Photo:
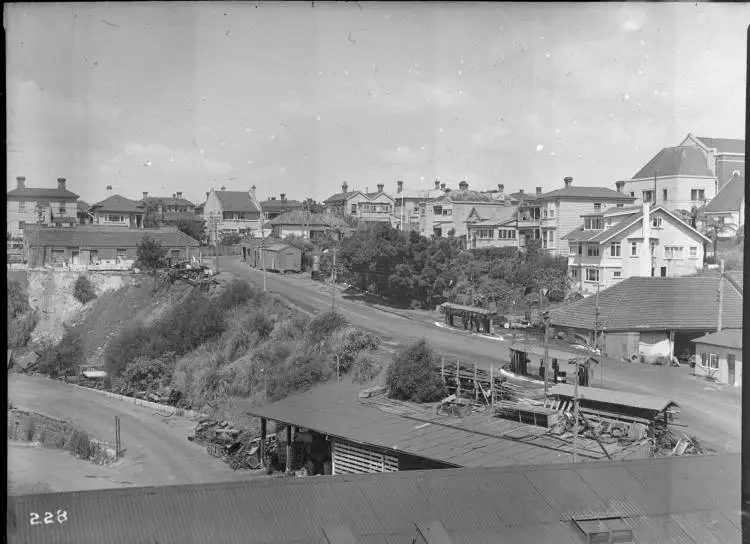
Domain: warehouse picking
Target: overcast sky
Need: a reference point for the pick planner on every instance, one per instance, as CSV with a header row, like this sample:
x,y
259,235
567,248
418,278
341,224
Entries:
x,y
296,99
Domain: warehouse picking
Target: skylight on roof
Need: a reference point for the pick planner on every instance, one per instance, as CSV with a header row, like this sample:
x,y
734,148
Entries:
x,y
604,530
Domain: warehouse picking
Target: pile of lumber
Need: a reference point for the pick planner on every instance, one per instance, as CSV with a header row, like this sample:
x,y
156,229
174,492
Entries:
x,y
527,413
477,381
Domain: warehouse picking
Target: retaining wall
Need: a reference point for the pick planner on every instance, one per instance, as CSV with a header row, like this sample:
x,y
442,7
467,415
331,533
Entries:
x,y
163,409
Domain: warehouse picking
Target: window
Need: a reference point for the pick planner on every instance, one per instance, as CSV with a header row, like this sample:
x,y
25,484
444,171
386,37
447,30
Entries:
x,y
62,207
632,193
551,238
592,223
122,253
552,210
615,249
506,234
438,210
175,253
697,194
620,205
592,274
22,205
664,195
693,252
592,250
485,233
114,218
573,272
580,248
354,208
713,360
656,222
448,212
597,206
617,274
633,249
21,225
673,252
648,196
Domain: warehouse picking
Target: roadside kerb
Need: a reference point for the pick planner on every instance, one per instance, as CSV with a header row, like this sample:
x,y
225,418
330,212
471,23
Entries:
x,y
163,409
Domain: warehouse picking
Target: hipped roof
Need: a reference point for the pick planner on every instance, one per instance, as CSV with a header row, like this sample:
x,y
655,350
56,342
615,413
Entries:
x,y
236,201
94,236
676,161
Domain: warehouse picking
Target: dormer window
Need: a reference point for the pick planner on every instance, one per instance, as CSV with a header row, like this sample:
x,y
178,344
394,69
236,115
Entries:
x,y
592,223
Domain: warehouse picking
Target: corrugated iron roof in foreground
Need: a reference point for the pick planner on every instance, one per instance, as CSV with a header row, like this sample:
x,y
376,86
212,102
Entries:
x,y
694,500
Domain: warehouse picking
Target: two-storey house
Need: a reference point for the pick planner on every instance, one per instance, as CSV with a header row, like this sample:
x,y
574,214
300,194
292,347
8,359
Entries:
x,y
273,208
39,206
406,204
361,206
724,156
728,207
118,211
686,176
529,216
232,212
561,210
307,225
454,212
620,243
167,207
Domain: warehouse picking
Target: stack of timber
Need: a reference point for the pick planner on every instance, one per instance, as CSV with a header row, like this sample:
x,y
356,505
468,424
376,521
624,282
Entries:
x,y
527,413
467,380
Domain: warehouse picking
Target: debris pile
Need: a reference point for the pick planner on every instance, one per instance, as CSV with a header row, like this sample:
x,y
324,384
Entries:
x,y
236,447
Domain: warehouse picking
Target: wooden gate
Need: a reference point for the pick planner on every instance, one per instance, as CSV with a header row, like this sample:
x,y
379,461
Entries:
x,y
353,459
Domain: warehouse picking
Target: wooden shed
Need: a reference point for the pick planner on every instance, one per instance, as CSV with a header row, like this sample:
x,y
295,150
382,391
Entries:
x,y
274,256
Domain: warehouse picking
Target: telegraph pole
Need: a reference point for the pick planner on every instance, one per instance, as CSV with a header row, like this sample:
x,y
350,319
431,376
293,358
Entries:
x,y
596,338
545,317
575,412
721,295
333,282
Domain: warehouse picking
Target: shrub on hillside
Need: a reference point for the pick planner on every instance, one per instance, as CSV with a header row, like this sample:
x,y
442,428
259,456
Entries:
x,y
127,345
291,328
348,342
238,293
323,326
414,375
144,373
63,358
18,300
245,330
83,290
150,254
366,367
298,373
20,329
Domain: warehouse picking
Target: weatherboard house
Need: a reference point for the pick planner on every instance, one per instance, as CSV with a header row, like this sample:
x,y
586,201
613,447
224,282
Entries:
x,y
642,311
236,212
36,205
374,207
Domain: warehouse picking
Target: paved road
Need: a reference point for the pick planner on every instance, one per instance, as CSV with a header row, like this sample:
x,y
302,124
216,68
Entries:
x,y
713,415
157,449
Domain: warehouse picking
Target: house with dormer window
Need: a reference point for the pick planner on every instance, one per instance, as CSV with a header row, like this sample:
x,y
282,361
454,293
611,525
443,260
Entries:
x,y
620,243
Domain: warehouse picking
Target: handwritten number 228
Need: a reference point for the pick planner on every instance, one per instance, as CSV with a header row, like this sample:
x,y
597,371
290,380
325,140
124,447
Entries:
x,y
49,517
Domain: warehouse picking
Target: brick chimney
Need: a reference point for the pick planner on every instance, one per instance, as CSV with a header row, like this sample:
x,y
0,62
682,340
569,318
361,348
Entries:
x,y
21,182
145,195
380,187
568,181
344,187
273,198
501,188
520,191
223,188
619,185
463,185
60,184
442,186
283,197
207,193
399,186
538,190
179,195
437,184
252,193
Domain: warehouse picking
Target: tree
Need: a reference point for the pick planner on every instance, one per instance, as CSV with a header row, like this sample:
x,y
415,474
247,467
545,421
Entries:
x,y
83,290
61,359
230,239
713,229
193,228
144,372
150,254
312,206
414,375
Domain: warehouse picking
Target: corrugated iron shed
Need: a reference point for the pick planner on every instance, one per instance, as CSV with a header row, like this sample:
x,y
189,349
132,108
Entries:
x,y
517,505
610,396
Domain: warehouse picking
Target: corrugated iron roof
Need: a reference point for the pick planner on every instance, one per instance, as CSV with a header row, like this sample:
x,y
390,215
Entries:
x,y
676,161
33,193
527,505
610,396
728,338
236,201
643,303
723,145
729,198
118,203
581,192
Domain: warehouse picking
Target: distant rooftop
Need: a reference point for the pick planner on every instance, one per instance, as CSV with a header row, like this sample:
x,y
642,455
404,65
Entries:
x,y
676,161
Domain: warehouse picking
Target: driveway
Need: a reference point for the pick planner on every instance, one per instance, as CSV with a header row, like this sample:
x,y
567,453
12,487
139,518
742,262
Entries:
x,y
157,451
713,414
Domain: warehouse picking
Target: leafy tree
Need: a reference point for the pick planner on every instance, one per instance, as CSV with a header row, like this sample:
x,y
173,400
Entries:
x,y
83,290
150,254
62,359
312,206
366,367
144,372
230,239
414,375
192,228
348,343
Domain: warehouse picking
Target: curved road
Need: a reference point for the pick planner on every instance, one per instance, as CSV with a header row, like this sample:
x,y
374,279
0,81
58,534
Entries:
x,y
712,415
157,451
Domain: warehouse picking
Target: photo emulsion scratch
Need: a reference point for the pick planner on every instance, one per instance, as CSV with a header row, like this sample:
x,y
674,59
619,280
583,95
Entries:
x,y
375,272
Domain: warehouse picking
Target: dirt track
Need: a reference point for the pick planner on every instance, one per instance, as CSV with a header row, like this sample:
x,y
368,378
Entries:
x,y
157,451
713,414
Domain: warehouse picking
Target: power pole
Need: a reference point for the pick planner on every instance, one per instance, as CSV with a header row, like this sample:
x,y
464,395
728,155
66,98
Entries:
x,y
263,256
575,412
721,295
596,337
333,282
545,317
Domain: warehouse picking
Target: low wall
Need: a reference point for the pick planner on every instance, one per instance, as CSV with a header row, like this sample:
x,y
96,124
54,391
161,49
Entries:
x,y
30,426
163,409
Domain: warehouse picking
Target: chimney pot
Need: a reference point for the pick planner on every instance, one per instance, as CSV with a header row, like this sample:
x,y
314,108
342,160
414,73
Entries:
x,y
61,184
620,185
223,188
539,190
442,186
208,193
145,195
520,191
179,194
21,181
344,187
252,192
501,187
380,187
568,181
463,185
283,196
437,184
399,186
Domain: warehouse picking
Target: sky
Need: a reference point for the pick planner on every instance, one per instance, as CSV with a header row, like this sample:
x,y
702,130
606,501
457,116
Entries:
x,y
298,98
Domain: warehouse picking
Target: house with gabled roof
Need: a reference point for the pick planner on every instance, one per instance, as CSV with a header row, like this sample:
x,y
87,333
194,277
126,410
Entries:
x,y
362,206
408,202
232,212
611,246
307,225
652,310
274,207
728,206
118,211
561,211
39,206
168,206
724,156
